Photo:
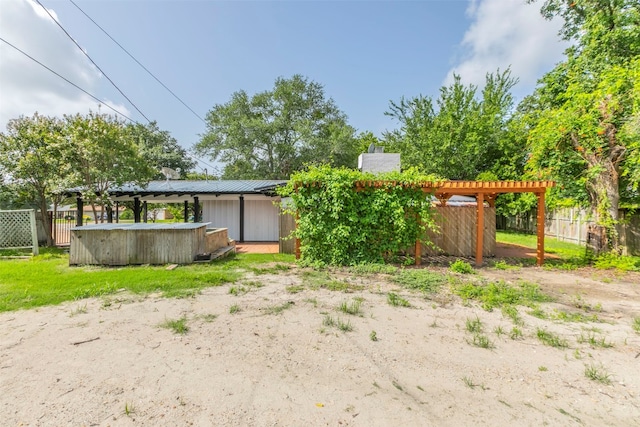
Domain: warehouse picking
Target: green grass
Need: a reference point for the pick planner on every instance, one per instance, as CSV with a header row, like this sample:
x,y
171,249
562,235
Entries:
x,y
234,309
482,341
315,280
462,267
373,269
594,341
635,324
278,309
474,325
420,279
570,255
499,294
178,326
397,301
551,339
353,308
597,373
47,279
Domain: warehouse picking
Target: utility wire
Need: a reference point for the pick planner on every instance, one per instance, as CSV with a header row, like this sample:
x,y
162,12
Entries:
x,y
67,80
92,61
138,62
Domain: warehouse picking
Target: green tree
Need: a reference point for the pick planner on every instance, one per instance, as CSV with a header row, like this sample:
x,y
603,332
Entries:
x,y
276,132
160,149
459,136
583,112
34,161
104,155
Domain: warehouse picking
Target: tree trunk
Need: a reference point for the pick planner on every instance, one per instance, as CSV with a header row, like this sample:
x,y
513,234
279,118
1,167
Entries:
x,y
45,219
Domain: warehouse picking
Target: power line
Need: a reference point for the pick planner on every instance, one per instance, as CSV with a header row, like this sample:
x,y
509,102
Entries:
x,y
138,62
67,80
92,61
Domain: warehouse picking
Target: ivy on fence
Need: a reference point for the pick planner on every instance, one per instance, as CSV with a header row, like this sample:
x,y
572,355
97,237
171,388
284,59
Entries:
x,y
346,217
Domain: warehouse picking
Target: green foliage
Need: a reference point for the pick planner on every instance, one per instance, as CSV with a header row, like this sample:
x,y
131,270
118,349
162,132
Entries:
x,y
340,224
498,294
421,280
613,260
462,267
397,301
584,117
373,269
47,279
597,373
178,326
551,339
274,133
461,134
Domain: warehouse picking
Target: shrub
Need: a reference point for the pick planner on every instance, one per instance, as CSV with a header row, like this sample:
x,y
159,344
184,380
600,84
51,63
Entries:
x,y
340,223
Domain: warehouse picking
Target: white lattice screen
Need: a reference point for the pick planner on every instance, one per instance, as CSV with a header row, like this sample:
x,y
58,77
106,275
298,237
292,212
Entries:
x,y
18,230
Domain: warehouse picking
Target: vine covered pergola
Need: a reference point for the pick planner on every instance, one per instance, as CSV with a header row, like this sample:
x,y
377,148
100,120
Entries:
x,y
483,191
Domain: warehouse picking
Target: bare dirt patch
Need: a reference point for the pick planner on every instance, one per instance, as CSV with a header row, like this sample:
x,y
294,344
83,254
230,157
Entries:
x,y
276,359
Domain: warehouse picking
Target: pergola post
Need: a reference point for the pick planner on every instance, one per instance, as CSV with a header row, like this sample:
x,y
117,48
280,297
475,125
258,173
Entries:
x,y
186,211
79,211
540,230
297,241
196,209
144,211
479,228
136,210
241,218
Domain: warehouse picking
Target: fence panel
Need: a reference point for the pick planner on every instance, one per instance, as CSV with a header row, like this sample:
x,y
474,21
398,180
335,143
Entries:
x,y
18,230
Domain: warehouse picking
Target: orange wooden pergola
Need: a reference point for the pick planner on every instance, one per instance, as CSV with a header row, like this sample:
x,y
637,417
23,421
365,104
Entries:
x,y
483,191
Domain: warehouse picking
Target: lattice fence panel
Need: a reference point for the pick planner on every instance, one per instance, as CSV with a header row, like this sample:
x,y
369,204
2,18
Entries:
x,y
18,230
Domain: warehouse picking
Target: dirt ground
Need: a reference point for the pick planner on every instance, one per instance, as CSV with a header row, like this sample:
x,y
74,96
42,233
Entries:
x,y
275,362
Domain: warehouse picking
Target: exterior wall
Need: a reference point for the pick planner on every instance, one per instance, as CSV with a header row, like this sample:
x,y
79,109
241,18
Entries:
x,y
223,213
261,221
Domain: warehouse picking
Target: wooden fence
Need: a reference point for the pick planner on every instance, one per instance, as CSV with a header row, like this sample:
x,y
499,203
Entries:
x,y
456,233
572,225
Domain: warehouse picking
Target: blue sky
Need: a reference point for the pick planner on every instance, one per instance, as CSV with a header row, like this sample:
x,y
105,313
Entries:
x,y
364,53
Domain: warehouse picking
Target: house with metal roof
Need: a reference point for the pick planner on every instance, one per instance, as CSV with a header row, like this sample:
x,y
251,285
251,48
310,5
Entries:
x,y
245,207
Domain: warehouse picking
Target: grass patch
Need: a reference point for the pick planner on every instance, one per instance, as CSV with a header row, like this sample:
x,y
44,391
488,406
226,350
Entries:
x,y
47,279
373,269
597,373
337,323
177,326
516,333
234,309
482,341
294,289
635,324
373,336
594,341
474,325
396,300
462,267
512,313
353,308
498,294
420,280
278,309
551,339
615,261
321,279
208,317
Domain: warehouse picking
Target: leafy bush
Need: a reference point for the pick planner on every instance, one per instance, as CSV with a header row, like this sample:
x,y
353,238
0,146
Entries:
x,y
462,267
347,217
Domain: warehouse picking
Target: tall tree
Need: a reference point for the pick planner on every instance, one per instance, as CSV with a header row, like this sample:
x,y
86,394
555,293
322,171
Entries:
x,y
104,155
582,112
276,132
34,159
460,135
160,149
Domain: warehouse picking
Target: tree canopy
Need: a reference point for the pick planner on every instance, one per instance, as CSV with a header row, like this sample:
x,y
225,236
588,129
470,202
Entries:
x,y
583,116
460,135
273,133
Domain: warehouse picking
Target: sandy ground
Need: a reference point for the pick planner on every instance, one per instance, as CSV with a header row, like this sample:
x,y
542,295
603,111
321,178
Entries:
x,y
107,362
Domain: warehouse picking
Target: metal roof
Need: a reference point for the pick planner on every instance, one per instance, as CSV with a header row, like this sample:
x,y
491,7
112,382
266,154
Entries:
x,y
195,188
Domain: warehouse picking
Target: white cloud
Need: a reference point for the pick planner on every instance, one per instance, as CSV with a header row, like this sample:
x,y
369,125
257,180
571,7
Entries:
x,y
508,33
27,87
